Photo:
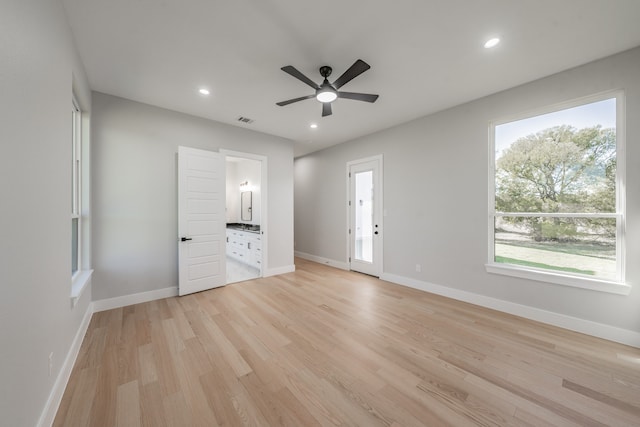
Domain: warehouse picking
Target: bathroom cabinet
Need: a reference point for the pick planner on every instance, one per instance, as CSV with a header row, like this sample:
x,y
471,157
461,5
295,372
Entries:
x,y
245,246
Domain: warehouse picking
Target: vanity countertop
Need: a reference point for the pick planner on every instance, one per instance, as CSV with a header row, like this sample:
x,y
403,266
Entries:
x,y
251,228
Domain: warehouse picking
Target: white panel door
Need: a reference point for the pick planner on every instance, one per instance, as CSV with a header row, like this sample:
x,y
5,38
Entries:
x,y
365,219
201,220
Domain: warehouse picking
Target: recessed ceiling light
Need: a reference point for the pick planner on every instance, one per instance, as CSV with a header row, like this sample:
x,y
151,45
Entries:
x,y
204,91
492,43
313,126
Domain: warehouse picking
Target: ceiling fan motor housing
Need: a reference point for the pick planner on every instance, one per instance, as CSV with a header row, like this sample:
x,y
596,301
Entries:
x,y
325,71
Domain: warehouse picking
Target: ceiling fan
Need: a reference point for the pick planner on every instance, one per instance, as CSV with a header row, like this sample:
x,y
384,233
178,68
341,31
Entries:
x,y
328,92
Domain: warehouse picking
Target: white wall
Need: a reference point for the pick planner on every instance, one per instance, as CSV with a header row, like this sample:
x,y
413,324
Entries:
x,y
233,194
38,68
243,170
135,192
249,171
436,196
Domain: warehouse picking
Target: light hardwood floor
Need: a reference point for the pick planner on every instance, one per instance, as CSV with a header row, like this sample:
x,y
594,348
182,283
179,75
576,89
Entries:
x,y
328,347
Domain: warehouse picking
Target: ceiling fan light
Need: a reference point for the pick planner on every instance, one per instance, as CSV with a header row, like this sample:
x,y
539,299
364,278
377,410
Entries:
x,y
326,95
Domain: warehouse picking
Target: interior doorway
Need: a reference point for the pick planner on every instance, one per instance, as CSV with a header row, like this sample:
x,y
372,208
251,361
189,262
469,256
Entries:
x,y
364,180
245,216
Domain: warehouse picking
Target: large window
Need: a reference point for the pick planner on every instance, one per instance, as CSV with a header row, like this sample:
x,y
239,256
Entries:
x,y
76,193
556,205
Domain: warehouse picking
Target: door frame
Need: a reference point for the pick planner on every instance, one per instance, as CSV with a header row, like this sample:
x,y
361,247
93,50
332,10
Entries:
x,y
264,211
379,210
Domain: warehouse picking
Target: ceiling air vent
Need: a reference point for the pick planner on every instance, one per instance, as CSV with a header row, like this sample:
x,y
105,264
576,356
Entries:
x,y
246,120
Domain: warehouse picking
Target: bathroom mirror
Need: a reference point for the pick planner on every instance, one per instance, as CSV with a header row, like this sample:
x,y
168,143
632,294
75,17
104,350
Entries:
x,y
245,206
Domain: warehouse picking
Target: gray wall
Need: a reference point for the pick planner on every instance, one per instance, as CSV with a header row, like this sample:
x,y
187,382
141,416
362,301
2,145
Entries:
x,y
436,195
135,246
38,69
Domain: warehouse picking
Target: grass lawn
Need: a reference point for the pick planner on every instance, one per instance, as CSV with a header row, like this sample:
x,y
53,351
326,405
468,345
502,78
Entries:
x,y
596,250
506,260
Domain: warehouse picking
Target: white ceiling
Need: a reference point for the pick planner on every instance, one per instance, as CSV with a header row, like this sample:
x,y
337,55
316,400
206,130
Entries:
x,y
425,55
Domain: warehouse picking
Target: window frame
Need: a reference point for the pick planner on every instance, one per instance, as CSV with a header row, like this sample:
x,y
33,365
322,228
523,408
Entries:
x,y
80,186
617,286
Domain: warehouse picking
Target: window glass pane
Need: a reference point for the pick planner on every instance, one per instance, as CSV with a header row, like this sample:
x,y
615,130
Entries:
x,y
74,245
364,216
563,161
571,245
73,161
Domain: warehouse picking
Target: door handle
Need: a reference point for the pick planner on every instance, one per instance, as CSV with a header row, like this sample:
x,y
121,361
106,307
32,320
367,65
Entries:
x,y
375,232
184,239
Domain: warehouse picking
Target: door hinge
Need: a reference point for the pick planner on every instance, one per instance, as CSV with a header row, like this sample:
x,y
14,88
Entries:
x,y
349,231
349,259
349,174
349,202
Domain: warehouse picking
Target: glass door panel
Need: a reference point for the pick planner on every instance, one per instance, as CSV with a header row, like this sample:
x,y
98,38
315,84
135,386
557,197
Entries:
x,y
364,216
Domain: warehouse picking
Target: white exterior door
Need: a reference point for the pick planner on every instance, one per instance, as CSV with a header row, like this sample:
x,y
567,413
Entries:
x,y
201,220
365,216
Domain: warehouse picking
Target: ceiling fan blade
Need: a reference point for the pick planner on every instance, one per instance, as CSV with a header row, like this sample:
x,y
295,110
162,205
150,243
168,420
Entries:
x,y
290,69
291,101
366,97
354,71
326,109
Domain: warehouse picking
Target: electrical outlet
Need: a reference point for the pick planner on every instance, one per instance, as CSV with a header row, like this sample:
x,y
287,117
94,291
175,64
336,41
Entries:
x,y
418,268
50,363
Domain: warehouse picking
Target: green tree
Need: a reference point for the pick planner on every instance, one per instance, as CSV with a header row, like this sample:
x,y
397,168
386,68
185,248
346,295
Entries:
x,y
559,169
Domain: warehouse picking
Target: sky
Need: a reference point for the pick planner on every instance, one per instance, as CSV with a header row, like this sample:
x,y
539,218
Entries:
x,y
587,115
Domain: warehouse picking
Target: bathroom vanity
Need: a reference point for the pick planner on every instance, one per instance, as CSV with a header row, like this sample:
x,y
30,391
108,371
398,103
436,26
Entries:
x,y
244,244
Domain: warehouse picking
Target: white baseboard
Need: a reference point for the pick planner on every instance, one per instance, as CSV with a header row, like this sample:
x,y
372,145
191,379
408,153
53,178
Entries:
x,y
55,397
600,330
125,300
279,270
321,260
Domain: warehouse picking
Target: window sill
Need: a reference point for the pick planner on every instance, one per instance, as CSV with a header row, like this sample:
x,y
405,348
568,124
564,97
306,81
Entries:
x,y
79,283
600,285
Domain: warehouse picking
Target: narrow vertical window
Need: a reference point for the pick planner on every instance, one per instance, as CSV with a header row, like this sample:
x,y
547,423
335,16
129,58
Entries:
x,y
75,188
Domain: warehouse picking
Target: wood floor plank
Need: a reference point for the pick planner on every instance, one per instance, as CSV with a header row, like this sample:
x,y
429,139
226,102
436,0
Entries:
x,y
92,346
191,388
303,387
79,406
277,412
230,353
103,408
327,347
152,410
177,411
219,394
128,405
148,371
